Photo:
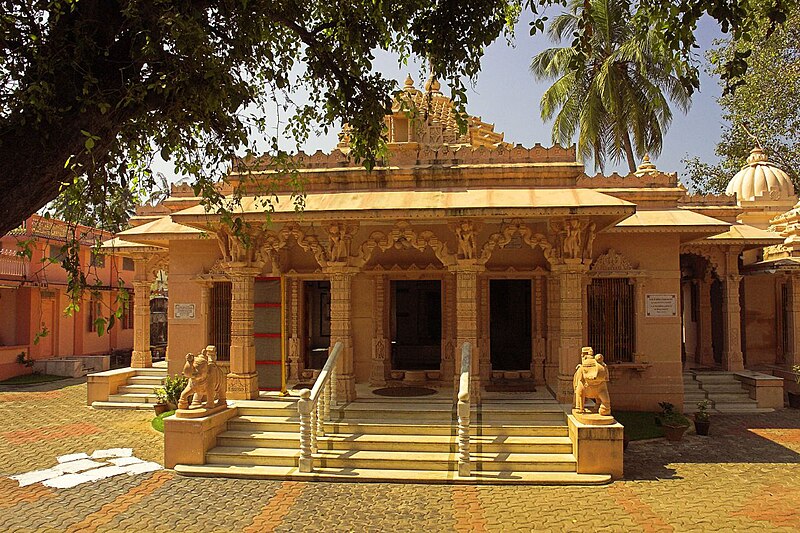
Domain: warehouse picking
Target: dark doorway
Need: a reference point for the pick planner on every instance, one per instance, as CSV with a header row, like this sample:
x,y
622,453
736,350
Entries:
x,y
416,324
510,323
318,323
717,321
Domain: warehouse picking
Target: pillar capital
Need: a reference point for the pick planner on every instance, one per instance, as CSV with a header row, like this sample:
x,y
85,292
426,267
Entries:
x,y
241,269
467,265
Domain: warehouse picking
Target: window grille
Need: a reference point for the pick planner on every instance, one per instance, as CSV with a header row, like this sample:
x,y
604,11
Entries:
x,y
220,330
95,312
611,318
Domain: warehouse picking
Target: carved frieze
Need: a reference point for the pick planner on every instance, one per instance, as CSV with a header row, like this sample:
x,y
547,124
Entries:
x,y
509,233
612,261
403,236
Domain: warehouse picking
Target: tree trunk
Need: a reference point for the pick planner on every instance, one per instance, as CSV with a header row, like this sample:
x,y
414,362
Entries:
x,y
629,151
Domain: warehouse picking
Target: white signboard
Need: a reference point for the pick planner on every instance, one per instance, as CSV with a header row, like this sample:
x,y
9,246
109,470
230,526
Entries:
x,y
184,311
662,305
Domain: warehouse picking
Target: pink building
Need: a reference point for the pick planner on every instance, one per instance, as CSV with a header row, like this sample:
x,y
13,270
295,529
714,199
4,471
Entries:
x,y
33,297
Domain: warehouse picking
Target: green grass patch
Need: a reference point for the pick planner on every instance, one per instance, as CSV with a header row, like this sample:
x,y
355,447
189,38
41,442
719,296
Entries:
x,y
31,379
158,422
639,425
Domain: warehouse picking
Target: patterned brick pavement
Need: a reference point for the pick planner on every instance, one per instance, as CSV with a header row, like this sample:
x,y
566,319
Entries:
x,y
746,476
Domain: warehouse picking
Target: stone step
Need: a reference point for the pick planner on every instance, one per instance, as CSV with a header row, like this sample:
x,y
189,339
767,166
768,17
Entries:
x,y
133,397
733,407
498,462
123,405
292,424
715,377
138,389
741,397
442,443
723,387
360,475
146,380
157,372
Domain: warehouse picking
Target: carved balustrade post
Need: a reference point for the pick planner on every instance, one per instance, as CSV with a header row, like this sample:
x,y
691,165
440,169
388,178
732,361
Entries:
x,y
464,467
304,407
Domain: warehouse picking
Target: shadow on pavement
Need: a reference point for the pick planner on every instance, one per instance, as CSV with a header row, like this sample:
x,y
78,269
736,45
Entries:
x,y
771,438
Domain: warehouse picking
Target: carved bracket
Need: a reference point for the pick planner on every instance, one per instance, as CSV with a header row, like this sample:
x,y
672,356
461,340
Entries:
x,y
506,234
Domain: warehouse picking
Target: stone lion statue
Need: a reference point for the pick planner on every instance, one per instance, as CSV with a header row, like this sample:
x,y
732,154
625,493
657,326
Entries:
x,y
591,381
206,380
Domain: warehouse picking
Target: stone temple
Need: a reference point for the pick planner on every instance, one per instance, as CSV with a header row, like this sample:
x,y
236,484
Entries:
x,y
461,244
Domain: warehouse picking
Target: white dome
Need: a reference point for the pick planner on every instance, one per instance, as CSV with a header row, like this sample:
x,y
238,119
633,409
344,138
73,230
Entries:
x,y
760,179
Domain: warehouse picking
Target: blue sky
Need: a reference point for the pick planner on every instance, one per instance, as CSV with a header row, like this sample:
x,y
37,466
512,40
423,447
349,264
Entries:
x,y
507,95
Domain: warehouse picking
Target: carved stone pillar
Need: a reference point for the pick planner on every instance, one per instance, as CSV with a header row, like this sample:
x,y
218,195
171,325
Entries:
x,y
448,329
243,379
732,355
551,357
571,316
341,277
467,328
380,344
537,360
704,342
792,355
484,335
141,356
295,345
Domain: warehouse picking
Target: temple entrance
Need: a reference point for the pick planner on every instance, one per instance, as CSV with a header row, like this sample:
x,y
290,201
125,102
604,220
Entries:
x,y
416,324
510,324
318,323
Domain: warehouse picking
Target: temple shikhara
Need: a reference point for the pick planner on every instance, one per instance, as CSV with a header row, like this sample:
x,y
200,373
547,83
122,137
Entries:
x,y
476,271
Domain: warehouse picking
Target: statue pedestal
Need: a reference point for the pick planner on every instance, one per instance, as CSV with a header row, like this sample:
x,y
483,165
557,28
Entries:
x,y
199,412
593,419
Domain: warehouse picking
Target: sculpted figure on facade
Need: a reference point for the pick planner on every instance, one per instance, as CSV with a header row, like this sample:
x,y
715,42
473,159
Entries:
x,y
466,240
590,235
206,380
339,246
591,381
573,239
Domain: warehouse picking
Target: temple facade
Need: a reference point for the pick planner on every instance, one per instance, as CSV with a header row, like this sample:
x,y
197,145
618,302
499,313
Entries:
x,y
461,237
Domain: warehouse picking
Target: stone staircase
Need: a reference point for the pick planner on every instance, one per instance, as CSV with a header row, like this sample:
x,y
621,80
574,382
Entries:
x,y
401,440
140,391
724,393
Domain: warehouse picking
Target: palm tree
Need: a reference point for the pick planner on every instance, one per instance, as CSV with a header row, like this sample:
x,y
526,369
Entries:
x,y
615,95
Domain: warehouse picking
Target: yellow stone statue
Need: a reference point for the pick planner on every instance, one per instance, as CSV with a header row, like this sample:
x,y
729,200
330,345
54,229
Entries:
x,y
206,380
591,381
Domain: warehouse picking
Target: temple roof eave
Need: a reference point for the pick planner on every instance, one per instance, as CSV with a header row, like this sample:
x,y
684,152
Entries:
x,y
430,204
122,247
158,233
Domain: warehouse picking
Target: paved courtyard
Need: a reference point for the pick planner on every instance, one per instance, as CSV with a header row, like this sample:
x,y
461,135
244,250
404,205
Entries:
x,y
746,476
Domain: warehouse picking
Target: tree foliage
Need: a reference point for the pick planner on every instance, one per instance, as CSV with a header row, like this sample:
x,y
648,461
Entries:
x,y
614,97
764,110
94,89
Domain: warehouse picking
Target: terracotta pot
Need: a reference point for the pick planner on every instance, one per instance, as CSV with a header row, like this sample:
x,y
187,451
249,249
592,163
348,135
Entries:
x,y
701,427
794,400
674,433
160,408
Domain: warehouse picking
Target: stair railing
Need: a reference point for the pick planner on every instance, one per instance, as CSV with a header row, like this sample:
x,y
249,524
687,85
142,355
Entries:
x,y
463,410
314,407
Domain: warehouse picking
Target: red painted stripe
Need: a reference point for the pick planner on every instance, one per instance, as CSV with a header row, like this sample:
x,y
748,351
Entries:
x,y
269,362
266,278
267,335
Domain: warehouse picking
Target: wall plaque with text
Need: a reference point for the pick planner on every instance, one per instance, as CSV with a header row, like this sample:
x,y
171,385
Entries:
x,y
662,305
184,311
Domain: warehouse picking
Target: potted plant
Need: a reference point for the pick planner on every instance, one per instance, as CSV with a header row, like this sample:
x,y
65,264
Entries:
x,y
169,394
794,397
702,418
673,422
